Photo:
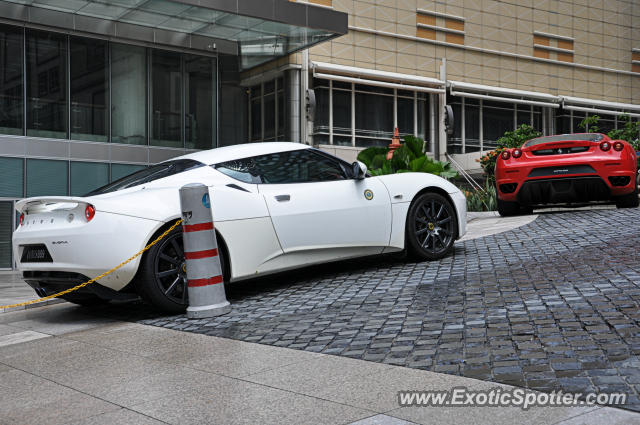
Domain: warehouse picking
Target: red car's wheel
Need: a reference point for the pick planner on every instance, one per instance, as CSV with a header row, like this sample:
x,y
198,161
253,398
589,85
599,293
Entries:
x,y
506,209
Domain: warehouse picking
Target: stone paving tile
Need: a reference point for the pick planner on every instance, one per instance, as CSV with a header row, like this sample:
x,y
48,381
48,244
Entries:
x,y
551,305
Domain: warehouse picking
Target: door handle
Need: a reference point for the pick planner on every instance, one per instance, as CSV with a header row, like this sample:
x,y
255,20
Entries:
x,y
283,198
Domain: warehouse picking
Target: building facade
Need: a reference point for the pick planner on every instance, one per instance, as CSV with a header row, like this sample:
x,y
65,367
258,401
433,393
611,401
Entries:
x,y
92,90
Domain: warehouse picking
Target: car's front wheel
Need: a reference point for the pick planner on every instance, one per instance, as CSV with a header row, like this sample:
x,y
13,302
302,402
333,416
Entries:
x,y
431,227
162,277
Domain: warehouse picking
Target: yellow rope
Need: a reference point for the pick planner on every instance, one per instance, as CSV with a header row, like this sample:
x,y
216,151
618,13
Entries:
x,y
82,285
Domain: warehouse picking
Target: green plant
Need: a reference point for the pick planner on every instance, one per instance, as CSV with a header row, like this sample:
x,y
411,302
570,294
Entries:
x,y
630,132
409,157
478,200
510,139
515,139
589,124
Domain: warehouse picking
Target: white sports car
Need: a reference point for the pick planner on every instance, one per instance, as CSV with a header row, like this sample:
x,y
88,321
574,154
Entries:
x,y
276,206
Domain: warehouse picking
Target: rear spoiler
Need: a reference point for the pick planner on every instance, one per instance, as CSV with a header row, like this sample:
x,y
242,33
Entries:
x,y
41,202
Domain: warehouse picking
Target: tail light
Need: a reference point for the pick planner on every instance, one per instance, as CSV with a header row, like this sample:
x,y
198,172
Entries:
x,y
505,155
605,146
618,146
21,219
517,153
89,212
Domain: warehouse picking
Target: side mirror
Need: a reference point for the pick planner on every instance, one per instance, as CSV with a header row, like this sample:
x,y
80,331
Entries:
x,y
358,170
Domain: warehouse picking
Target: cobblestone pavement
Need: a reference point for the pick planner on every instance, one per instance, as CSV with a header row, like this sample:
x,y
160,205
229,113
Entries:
x,y
550,305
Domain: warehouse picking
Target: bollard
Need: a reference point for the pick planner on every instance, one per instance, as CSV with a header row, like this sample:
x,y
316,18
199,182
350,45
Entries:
x,y
204,271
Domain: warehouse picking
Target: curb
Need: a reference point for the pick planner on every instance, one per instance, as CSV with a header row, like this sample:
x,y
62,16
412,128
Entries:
x,y
30,306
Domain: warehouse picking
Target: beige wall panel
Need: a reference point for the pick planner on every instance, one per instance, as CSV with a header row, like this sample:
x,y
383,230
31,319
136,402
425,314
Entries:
x,y
342,51
472,16
362,39
385,26
474,71
508,23
384,42
474,58
384,13
406,17
407,46
490,75
365,55
364,22
388,68
407,5
344,5
455,54
323,49
407,61
565,86
339,61
386,58
508,76
364,9
409,30
453,9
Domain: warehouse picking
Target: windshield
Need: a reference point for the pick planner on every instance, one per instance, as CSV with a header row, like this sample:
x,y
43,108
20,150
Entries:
x,y
587,137
147,175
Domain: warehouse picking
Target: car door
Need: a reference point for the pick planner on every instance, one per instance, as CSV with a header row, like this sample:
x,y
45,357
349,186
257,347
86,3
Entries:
x,y
317,208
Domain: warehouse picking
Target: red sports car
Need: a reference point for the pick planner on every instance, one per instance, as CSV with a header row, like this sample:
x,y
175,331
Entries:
x,y
566,169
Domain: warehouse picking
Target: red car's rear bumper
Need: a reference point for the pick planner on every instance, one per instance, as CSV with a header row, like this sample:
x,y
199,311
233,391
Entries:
x,y
582,177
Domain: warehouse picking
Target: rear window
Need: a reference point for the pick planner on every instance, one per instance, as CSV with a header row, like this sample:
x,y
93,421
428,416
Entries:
x,y
587,137
155,172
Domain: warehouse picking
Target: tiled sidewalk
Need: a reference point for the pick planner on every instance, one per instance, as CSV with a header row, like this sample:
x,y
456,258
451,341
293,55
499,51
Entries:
x,y
60,365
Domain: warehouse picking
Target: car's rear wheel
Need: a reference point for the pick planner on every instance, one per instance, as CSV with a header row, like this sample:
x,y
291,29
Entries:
x,y
431,227
162,279
628,201
506,209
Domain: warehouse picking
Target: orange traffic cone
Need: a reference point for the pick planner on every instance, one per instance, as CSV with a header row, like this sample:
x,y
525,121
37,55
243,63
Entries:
x,y
395,143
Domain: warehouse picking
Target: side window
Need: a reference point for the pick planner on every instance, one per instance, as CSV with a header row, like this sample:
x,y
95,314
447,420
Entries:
x,y
244,170
301,166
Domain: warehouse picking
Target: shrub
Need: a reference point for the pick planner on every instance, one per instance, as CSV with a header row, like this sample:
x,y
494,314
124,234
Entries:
x,y
409,157
510,139
478,200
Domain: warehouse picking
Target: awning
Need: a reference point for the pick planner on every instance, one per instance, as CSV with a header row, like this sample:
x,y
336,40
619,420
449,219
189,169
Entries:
x,y
256,30
372,77
599,106
501,94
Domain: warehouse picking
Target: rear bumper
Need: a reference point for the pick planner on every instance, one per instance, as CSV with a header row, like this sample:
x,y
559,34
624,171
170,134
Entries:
x,y
563,190
49,283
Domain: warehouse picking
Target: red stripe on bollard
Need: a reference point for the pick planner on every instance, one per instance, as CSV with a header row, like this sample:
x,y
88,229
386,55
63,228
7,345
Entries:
x,y
205,282
201,254
197,227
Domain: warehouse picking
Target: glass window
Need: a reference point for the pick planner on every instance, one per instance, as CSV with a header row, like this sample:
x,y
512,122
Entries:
x,y
10,79
269,115
606,123
405,116
298,166
166,99
47,178
119,171
46,84
128,94
6,229
497,119
11,170
321,119
563,123
201,98
244,170
471,125
341,111
281,118
89,89
155,172
374,116
537,118
256,113
88,176
577,119
523,114
423,120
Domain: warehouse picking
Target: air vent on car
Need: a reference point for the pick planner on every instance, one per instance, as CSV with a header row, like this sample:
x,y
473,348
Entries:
x,y
508,187
619,180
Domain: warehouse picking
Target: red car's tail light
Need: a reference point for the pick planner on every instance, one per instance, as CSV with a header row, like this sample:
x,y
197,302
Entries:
x,y
618,146
21,219
517,153
605,146
505,155
89,212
